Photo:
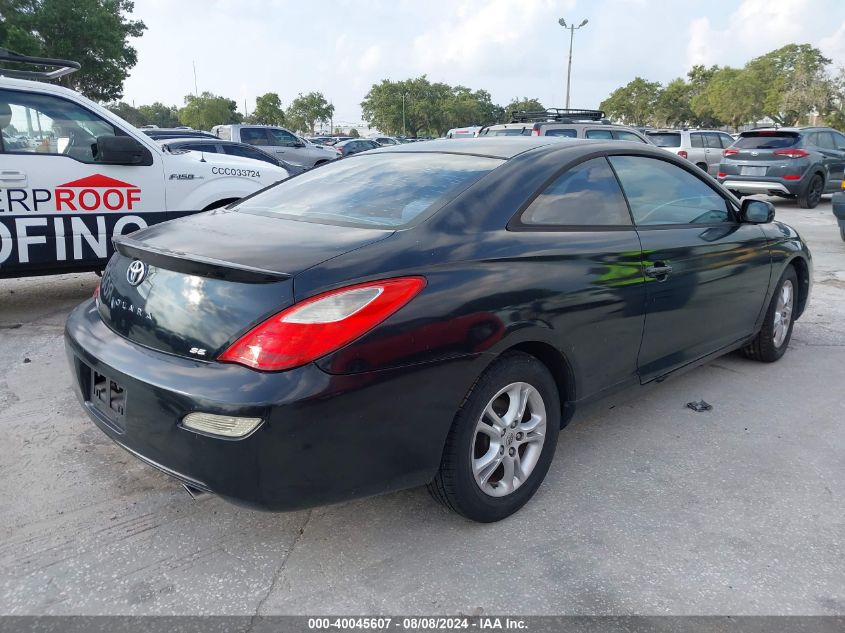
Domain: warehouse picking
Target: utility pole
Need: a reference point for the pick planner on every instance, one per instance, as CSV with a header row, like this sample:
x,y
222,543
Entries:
x,y
404,94
196,92
571,30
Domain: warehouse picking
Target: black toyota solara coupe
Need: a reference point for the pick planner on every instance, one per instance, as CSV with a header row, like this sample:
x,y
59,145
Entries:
x,y
430,313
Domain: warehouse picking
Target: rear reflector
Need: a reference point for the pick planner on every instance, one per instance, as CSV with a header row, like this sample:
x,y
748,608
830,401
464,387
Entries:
x,y
792,153
721,174
321,325
792,177
730,152
683,154
223,425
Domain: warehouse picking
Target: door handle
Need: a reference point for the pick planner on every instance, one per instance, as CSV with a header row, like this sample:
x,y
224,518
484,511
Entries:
x,y
660,271
12,175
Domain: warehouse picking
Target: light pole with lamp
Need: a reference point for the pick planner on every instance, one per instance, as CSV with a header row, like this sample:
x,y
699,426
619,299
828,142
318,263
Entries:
x,y
572,28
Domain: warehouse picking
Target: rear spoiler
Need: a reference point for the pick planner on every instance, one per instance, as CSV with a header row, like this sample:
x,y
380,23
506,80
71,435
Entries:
x,y
195,264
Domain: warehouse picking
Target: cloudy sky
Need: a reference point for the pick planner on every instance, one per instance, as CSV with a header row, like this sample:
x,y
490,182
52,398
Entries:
x,y
512,48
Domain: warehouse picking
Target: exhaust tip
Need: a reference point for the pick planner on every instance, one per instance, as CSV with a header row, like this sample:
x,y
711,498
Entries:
x,y
195,493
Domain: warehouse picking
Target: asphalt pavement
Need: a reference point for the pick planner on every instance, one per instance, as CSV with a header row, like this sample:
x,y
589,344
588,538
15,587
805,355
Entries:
x,y
649,507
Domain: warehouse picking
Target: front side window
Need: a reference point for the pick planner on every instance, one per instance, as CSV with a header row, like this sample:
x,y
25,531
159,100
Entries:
x,y
386,190
283,138
586,195
712,140
662,193
34,123
247,152
839,139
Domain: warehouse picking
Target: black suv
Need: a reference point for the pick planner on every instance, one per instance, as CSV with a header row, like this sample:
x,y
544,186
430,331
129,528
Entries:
x,y
799,162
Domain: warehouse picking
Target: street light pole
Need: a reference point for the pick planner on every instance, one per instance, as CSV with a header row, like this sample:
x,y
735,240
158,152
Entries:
x,y
404,94
571,30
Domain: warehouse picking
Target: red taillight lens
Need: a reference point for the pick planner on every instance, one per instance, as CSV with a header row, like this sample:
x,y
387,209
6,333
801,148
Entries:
x,y
721,174
683,153
791,153
96,290
792,177
322,324
535,131
730,152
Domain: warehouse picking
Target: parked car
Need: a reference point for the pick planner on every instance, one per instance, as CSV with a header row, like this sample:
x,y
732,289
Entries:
x,y
386,140
354,146
424,314
319,140
458,132
796,162
277,141
88,176
565,123
219,146
701,147
160,133
839,210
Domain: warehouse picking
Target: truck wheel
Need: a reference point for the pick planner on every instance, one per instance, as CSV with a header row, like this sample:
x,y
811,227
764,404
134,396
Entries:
x,y
773,338
810,197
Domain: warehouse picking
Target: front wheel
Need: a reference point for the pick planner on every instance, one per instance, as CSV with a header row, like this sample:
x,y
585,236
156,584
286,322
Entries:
x,y
502,441
773,338
812,194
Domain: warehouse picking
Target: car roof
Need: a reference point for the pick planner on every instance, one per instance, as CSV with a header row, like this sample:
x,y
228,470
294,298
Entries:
x,y
496,147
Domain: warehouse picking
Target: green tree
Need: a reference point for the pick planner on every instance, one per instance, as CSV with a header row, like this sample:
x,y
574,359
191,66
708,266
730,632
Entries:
x,y
306,110
95,33
160,115
268,110
734,96
129,114
633,103
699,78
673,107
518,105
207,110
354,133
834,115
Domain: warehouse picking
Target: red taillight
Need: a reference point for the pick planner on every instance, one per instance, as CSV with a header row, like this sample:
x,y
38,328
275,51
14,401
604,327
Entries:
x,y
792,177
322,324
791,153
683,153
535,131
96,290
730,152
721,174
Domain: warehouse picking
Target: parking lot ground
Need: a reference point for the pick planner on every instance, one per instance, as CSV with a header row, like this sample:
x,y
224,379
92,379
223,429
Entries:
x,y
649,507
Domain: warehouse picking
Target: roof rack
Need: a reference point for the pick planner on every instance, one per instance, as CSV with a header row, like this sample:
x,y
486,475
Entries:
x,y
556,114
61,67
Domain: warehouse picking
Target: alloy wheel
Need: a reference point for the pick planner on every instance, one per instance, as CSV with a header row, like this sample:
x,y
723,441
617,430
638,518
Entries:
x,y
783,313
508,439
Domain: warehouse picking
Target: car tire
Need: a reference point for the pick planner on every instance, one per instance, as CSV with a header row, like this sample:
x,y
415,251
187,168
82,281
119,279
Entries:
x,y
811,195
484,454
842,233
701,166
773,338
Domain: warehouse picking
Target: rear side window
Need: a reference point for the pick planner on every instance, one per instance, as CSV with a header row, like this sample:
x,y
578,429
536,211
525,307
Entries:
x,y
662,193
224,133
665,139
825,140
766,140
586,195
385,190
567,132
839,139
622,135
601,134
696,139
254,136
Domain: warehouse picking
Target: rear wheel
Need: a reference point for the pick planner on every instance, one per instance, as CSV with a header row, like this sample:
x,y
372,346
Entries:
x,y
702,166
773,338
810,197
842,233
501,442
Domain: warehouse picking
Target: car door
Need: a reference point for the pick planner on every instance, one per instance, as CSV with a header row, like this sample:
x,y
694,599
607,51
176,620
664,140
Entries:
x,y
834,159
839,143
697,150
712,152
59,207
587,260
288,147
707,274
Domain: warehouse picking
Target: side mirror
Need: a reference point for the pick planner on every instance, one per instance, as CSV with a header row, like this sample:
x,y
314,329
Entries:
x,y
754,211
122,150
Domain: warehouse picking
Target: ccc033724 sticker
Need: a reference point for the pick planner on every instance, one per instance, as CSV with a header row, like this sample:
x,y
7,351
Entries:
x,y
231,171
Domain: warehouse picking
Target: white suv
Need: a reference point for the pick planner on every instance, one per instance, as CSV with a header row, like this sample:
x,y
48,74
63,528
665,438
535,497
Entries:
x,y
84,175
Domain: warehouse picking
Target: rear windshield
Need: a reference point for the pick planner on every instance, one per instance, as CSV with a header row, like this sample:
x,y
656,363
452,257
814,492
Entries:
x,y
766,140
665,139
507,131
386,190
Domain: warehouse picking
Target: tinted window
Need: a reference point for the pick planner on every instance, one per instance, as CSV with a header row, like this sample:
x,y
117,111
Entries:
x,y
665,139
766,140
662,193
599,134
283,138
696,139
839,139
254,136
567,132
43,124
587,194
825,140
201,147
712,140
727,140
247,152
622,135
386,190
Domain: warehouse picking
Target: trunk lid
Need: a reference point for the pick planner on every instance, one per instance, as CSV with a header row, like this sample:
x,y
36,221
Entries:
x,y
192,286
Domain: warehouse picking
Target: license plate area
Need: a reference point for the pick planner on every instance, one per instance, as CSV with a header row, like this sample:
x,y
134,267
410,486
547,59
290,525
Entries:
x,y
752,171
108,397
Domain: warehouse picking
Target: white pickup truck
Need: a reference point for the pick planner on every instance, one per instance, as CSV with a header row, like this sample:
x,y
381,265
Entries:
x,y
72,175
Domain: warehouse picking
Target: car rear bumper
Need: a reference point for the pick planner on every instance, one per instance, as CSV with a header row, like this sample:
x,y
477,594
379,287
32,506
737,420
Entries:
x,y
761,186
324,438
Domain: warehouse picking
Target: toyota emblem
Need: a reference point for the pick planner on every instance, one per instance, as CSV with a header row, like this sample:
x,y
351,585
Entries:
x,y
136,272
